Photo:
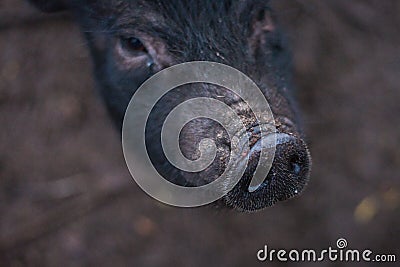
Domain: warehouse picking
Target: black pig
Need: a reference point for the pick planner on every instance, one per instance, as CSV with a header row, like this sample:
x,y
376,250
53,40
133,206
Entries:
x,y
132,40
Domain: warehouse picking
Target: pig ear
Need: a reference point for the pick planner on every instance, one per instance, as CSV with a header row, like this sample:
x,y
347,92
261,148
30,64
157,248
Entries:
x,y
49,5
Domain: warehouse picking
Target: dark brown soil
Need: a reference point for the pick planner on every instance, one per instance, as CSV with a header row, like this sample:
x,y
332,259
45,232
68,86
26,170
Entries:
x,y
66,197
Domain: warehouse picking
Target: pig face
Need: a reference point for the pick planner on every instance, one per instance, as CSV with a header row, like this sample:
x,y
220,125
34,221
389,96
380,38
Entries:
x,y
132,40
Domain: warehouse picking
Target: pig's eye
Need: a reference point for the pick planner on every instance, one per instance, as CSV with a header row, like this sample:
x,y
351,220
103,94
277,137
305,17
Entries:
x,y
133,45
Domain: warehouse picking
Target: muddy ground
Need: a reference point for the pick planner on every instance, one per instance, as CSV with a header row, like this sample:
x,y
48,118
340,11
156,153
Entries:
x,y
66,197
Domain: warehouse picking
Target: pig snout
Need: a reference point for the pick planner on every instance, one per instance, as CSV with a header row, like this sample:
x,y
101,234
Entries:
x,y
287,177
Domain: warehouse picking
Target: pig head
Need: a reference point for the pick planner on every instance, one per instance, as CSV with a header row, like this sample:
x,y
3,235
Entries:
x,y
132,40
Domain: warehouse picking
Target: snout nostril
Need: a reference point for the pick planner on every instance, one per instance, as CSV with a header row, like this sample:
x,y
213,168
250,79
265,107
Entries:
x,y
294,155
295,164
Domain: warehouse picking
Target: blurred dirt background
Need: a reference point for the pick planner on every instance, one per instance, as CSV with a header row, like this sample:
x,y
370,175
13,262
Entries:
x,y
66,198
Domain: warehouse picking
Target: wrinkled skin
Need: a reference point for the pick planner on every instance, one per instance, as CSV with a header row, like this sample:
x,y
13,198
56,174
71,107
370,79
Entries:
x,y
132,40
